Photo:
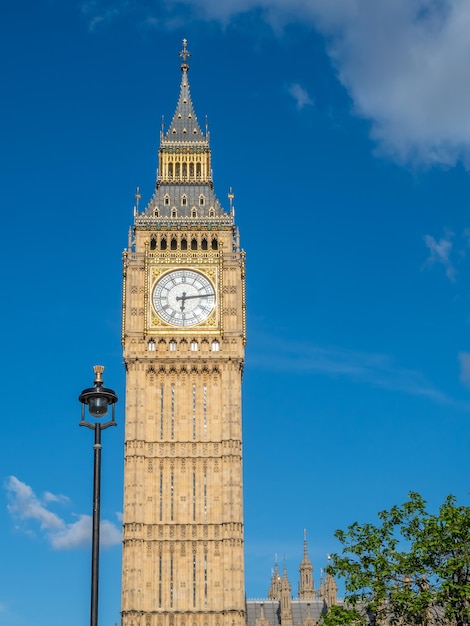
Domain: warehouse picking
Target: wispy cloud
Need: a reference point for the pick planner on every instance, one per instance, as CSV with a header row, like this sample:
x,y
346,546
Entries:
x,y
27,508
374,369
464,358
404,63
300,95
439,253
101,12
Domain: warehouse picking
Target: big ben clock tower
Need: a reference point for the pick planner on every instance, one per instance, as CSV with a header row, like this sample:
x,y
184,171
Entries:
x,y
183,336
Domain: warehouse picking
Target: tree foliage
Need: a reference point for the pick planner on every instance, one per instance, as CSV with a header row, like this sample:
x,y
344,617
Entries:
x,y
412,568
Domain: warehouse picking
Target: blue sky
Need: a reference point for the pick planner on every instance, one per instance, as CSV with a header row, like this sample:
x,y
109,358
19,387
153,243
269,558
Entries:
x,y
344,130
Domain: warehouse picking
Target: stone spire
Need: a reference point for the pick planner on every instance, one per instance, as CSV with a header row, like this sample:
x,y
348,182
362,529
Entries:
x,y
184,125
286,604
306,584
184,187
330,589
274,592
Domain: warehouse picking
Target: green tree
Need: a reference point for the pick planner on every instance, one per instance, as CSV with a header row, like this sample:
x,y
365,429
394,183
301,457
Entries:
x,y
412,568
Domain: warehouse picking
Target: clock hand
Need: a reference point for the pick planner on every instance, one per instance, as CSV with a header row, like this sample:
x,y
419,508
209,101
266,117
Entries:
x,y
198,295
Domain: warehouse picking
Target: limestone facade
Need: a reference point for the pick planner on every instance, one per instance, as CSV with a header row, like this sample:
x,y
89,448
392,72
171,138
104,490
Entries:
x,y
183,334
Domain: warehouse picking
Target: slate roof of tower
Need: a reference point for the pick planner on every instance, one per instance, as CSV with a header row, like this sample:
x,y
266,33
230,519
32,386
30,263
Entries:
x,y
183,133
184,125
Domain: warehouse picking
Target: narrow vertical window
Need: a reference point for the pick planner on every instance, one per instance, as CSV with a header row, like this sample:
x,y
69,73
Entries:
x,y
160,581
172,411
193,244
172,345
204,244
205,496
194,411
151,345
205,579
194,496
161,411
184,244
171,580
204,410
172,495
215,346
161,495
194,345
194,579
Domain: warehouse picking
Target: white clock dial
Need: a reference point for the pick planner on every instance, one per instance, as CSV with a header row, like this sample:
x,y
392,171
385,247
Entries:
x,y
184,298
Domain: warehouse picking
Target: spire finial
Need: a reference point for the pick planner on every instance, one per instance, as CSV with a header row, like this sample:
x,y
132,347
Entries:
x,y
185,54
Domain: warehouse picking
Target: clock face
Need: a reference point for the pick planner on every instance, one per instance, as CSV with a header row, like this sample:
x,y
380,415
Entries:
x,y
184,298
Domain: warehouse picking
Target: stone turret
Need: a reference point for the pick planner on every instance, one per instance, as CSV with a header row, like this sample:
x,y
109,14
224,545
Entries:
x,y
274,592
306,584
285,603
330,589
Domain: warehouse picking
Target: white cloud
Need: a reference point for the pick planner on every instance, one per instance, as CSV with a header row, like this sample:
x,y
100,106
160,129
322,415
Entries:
x,y
439,252
24,506
52,497
403,62
300,95
78,534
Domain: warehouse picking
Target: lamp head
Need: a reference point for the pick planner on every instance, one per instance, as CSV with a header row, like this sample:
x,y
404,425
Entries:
x,y
98,398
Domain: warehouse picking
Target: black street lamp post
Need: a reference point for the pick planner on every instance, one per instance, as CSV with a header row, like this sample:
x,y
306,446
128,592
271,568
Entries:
x,y
98,399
